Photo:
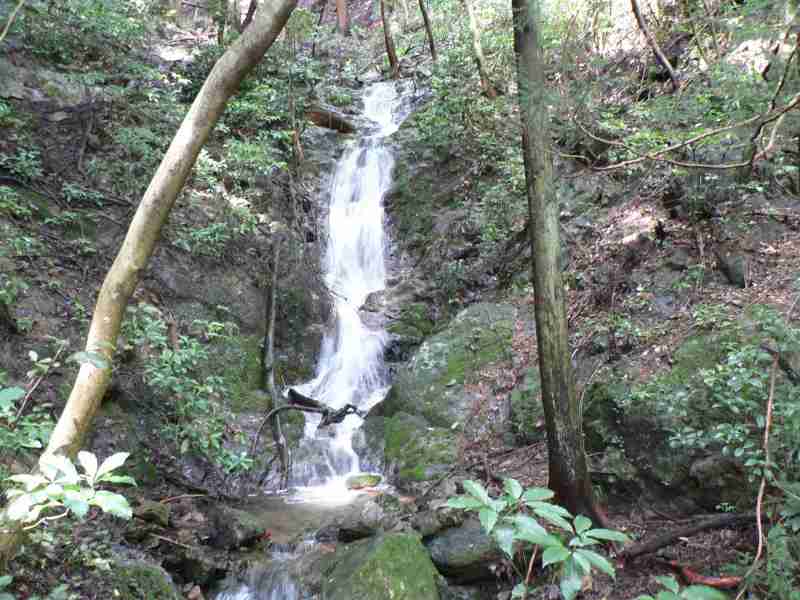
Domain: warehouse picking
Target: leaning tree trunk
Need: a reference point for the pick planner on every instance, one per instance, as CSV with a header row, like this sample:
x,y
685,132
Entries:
x,y
93,380
477,47
428,30
651,40
391,52
342,19
568,473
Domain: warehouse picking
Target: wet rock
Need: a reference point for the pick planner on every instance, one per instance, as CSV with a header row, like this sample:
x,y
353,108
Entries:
x,y
134,579
465,553
678,260
193,565
233,528
362,480
430,522
432,383
364,522
413,451
392,566
734,266
525,411
153,512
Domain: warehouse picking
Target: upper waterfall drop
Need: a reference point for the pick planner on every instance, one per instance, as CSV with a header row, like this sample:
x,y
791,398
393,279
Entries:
x,y
350,368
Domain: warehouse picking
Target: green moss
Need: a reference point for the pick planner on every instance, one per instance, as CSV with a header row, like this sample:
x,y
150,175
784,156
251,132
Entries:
x,y
418,450
394,566
134,580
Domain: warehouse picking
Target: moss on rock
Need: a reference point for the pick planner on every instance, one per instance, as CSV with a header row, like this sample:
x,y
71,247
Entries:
x,y
135,580
392,566
432,383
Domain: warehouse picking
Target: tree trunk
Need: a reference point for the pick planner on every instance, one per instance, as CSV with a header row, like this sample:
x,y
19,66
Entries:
x,y
428,29
391,52
342,20
268,363
251,11
120,282
568,473
651,39
480,60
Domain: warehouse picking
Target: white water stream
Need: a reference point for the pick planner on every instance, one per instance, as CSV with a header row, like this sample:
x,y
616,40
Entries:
x,y
350,368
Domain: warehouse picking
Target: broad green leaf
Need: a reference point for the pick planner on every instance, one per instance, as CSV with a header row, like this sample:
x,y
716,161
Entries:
x,y
504,536
582,523
10,395
54,491
58,468
703,592
29,482
477,491
570,586
488,518
598,561
464,502
112,503
554,554
537,494
77,503
119,479
669,582
607,534
512,488
584,566
5,581
518,591
112,462
667,595
89,463
554,514
498,505
19,508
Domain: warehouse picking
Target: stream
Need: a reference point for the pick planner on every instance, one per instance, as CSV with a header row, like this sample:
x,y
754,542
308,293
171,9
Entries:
x,y
351,369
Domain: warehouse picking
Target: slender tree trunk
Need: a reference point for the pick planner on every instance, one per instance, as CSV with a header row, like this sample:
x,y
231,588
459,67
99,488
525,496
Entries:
x,y
477,47
342,19
131,261
322,5
391,52
568,473
428,29
268,363
651,39
248,18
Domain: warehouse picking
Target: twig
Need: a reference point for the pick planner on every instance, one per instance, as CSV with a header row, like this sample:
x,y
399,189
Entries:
x,y
763,486
166,539
181,497
37,382
11,20
670,538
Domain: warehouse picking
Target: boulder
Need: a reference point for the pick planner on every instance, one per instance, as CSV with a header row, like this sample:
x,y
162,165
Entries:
x,y
432,384
392,566
135,579
464,553
233,528
408,448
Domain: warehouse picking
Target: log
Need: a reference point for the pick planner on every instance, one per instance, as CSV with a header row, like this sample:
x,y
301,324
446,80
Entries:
x,y
327,118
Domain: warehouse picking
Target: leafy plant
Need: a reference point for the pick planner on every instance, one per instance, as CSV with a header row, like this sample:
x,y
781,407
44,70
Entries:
x,y
511,519
26,163
58,485
11,203
672,591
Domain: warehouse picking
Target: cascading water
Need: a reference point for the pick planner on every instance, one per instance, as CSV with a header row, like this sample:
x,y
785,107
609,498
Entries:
x,y
350,368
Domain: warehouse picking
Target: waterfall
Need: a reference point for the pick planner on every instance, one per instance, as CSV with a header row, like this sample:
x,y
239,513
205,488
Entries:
x,y
350,368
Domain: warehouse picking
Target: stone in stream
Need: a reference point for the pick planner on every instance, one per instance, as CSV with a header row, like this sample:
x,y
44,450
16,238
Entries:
x,y
362,480
392,566
464,553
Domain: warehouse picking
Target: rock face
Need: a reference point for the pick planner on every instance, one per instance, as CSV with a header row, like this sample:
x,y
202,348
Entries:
x,y
432,383
134,579
392,566
412,434
464,553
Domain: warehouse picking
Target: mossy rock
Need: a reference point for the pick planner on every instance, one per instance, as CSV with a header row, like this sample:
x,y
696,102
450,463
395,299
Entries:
x,y
432,384
395,566
136,580
363,480
415,450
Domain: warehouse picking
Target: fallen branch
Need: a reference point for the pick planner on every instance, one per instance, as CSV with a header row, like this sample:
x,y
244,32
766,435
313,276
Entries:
x,y
670,538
